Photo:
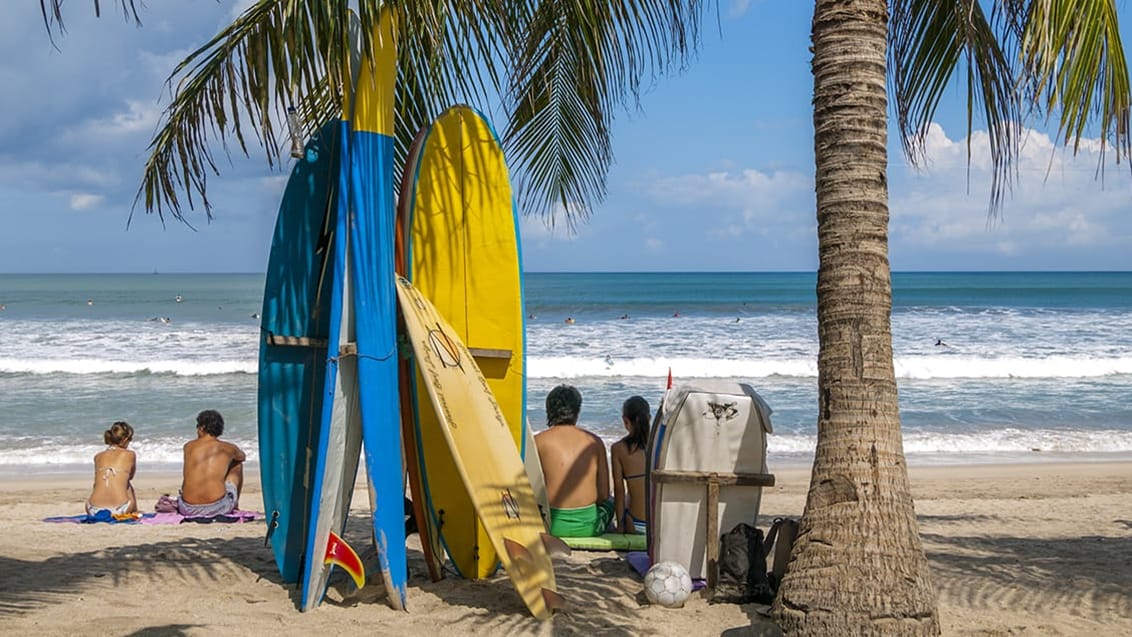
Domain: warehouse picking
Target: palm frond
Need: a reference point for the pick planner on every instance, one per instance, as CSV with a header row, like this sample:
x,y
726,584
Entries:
x,y
52,11
240,81
1076,70
575,64
928,39
561,69
450,52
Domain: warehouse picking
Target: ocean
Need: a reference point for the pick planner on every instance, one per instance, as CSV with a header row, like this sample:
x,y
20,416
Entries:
x,y
992,367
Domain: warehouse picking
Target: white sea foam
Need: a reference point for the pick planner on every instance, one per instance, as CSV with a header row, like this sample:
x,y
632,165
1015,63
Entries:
x,y
84,366
572,367
995,441
156,451
909,367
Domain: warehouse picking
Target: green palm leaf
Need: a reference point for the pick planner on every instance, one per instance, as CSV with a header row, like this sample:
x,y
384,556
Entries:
x,y
929,41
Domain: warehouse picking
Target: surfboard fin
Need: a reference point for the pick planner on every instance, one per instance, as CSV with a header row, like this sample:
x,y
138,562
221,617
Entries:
x,y
517,552
555,546
339,553
553,600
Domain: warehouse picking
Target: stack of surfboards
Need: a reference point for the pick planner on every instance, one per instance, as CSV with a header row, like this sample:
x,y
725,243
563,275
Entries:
x,y
328,356
331,383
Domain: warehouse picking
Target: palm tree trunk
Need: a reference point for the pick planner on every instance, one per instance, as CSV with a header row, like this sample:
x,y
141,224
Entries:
x,y
858,566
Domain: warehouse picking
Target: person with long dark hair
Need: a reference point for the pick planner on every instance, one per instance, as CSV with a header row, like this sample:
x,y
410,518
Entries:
x,y
629,467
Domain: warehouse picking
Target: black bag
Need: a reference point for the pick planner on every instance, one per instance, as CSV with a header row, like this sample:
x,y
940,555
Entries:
x,y
742,568
780,540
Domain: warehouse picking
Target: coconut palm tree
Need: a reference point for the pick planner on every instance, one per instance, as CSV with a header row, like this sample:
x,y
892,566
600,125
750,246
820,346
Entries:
x,y
562,69
858,566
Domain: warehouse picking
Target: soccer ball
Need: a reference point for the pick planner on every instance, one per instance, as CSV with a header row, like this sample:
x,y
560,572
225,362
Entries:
x,y
668,584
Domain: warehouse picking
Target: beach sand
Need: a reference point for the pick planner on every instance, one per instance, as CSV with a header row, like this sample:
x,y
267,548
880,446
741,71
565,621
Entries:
x,y
1015,550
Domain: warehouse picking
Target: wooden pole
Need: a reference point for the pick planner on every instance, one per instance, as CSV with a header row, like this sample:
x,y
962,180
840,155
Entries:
x,y
712,533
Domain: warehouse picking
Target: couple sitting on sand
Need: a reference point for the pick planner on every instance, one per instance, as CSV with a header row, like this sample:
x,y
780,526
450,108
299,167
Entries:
x,y
212,481
577,472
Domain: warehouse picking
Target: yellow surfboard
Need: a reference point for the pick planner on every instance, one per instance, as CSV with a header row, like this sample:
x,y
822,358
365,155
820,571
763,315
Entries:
x,y
462,252
484,455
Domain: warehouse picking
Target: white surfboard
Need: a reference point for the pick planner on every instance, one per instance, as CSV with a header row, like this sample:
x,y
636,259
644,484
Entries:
x,y
711,427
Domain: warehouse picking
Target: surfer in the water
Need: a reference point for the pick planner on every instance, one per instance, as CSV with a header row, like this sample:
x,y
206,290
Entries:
x,y
575,467
214,470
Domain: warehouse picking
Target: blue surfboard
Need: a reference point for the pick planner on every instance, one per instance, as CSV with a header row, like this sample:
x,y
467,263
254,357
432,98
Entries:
x,y
294,331
338,445
371,246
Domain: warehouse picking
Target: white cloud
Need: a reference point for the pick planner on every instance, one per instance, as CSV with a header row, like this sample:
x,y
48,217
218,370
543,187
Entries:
x,y
84,201
738,8
1056,202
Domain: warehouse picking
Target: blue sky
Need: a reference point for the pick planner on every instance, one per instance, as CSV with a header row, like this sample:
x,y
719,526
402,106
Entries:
x,y
714,172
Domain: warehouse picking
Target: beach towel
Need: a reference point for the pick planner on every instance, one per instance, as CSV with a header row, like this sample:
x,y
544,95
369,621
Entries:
x,y
607,542
233,517
102,516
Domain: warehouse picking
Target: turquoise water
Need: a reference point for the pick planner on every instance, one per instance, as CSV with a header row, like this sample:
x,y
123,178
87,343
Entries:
x,y
1031,361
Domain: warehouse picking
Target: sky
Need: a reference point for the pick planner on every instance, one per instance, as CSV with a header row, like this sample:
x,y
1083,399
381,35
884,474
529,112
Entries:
x,y
713,171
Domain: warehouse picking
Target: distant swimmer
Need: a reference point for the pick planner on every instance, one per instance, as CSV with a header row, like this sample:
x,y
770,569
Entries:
x,y
3,307
530,316
939,343
255,315
179,299
736,319
569,320
675,315
608,359
166,320
90,302
623,317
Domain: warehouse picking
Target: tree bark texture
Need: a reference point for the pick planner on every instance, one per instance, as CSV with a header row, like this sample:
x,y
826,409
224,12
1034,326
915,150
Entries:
x,y
858,566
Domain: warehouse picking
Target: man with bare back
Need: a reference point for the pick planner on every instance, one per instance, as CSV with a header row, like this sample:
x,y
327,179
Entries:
x,y
214,470
575,467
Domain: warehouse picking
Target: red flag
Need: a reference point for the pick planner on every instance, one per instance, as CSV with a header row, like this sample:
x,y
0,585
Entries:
x,y
669,378
341,554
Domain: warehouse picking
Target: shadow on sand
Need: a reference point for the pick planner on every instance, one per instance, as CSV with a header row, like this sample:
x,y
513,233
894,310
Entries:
x,y
1029,574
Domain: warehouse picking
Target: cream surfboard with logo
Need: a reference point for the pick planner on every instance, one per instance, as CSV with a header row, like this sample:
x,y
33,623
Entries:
x,y
483,451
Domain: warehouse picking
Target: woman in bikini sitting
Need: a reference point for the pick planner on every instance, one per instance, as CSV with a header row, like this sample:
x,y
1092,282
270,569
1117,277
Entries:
x,y
113,472
628,460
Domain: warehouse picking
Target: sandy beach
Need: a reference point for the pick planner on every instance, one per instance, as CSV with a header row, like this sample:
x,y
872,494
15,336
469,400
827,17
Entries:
x,y
1036,549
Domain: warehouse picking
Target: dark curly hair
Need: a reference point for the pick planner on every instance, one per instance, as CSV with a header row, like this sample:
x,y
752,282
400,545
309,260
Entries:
x,y
211,422
563,404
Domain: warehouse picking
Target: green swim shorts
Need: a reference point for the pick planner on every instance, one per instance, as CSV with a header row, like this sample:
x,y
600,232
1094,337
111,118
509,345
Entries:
x,y
587,521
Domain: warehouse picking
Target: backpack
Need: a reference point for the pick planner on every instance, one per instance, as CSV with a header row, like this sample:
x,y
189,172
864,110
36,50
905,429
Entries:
x,y
742,568
780,540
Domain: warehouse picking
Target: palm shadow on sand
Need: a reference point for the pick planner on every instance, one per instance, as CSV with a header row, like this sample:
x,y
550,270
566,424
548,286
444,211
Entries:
x,y
1034,574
